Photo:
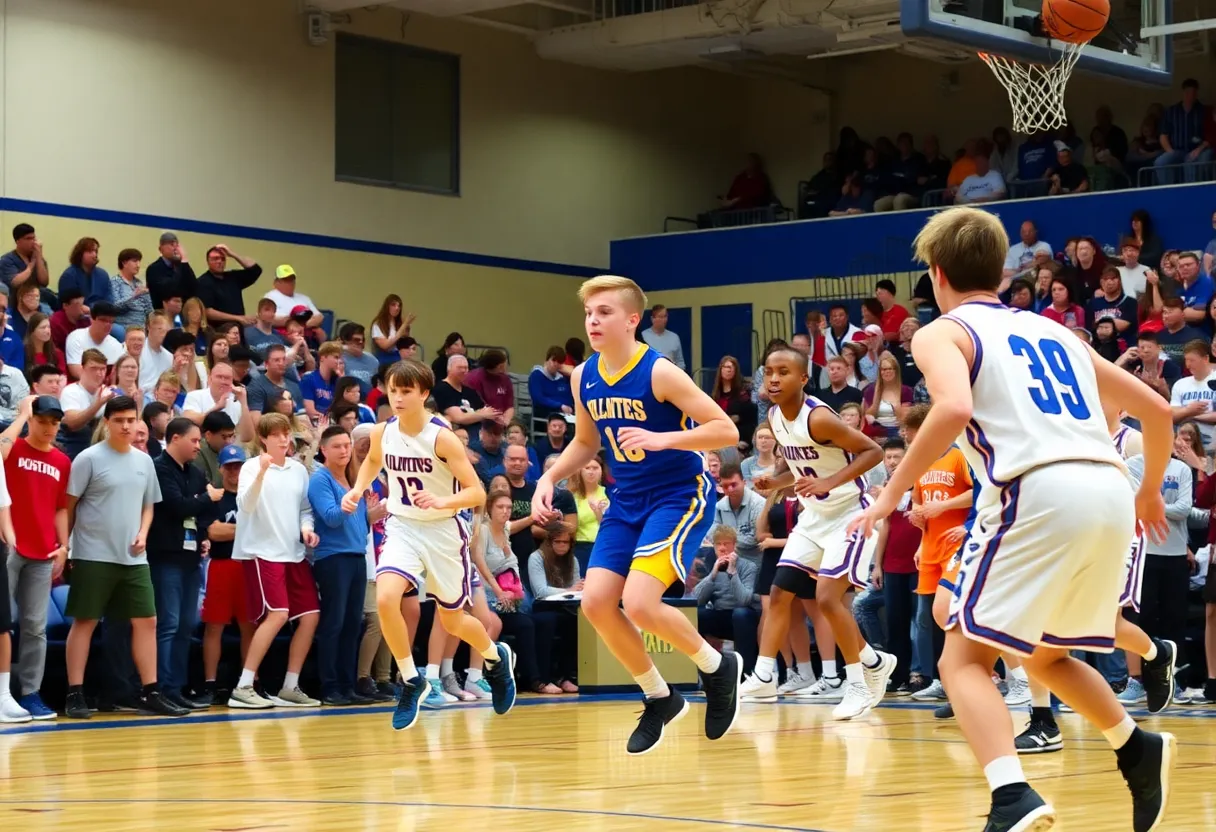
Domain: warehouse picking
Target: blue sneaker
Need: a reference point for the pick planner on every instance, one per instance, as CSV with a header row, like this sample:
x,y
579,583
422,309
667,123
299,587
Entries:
x,y
37,708
408,697
433,698
501,676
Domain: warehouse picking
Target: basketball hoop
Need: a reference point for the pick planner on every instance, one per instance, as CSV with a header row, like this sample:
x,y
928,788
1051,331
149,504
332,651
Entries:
x,y
1036,91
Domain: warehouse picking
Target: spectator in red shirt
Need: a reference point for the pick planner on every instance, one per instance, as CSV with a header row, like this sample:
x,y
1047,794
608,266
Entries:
x,y
70,317
814,330
1064,309
751,188
892,313
495,387
896,575
37,474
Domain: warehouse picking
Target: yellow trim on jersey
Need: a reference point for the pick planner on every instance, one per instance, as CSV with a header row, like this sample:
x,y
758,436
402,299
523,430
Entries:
x,y
675,541
612,378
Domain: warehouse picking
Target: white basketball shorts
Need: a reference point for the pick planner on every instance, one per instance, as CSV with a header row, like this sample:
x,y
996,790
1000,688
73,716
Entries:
x,y
823,548
432,555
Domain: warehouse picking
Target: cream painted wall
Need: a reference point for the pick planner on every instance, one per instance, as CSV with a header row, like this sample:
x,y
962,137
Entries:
x,y
221,111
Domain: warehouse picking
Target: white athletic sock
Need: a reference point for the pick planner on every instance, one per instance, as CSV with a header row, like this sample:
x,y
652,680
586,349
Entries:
x,y
765,668
246,680
490,654
407,667
829,668
5,680
445,667
473,674
652,684
706,657
1018,673
432,672
1121,733
854,673
1152,652
1040,697
291,681
1004,771
867,656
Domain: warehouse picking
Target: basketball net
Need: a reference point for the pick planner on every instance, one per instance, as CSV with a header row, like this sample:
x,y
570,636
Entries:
x,y
1036,91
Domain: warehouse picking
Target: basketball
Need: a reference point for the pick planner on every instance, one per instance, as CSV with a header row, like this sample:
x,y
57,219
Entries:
x,y
1075,21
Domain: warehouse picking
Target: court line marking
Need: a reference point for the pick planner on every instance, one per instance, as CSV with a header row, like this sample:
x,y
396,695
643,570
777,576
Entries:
x,y
413,805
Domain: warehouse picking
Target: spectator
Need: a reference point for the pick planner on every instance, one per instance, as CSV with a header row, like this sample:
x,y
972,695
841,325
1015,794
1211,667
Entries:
x,y
171,276
1196,290
1035,156
25,302
852,199
839,392
590,502
553,571
840,332
902,351
272,383
1020,296
849,150
82,401
1145,149
886,400
964,164
732,395
1143,232
1112,303
1133,273
549,388
905,172
740,509
516,435
984,185
155,359
494,386
1106,340
1146,362
219,431
96,336
299,349
873,341
194,322
124,378
1107,170
751,188
39,348
876,179
346,392
357,363
1176,332
554,440
893,314
155,417
1113,135
389,326
1026,255
181,345
663,340
130,297
24,261
459,403
317,387
374,662
287,300
37,475
726,606
111,493
937,166
523,531
853,355
895,575
452,345
71,316
1182,136
221,290
1064,309
276,523
763,460
84,274
177,539
261,334
134,341
823,189
1067,176
1193,395
1004,156
221,395
407,349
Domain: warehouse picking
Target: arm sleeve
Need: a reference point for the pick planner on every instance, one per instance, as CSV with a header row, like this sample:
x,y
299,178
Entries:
x,y
704,590
176,502
742,582
306,519
536,389
537,577
325,505
1180,507
152,493
82,472
679,356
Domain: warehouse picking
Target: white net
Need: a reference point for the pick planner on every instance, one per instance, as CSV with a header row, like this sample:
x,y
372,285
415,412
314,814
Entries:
x,y
1036,91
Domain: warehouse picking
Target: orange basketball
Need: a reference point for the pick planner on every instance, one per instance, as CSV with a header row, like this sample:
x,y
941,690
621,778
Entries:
x,y
1075,21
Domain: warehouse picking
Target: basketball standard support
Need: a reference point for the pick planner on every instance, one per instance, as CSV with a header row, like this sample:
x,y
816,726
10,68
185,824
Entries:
x,y
1170,29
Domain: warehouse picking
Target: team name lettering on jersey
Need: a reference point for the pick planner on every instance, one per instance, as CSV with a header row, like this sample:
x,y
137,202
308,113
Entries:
x,y
38,467
932,477
796,452
614,407
409,464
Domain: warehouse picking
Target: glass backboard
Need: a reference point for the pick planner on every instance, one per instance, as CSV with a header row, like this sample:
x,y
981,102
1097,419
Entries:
x,y
1005,27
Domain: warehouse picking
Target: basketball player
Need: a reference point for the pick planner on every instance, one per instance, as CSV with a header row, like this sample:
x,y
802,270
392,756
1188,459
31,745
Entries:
x,y
430,479
827,462
654,421
1023,399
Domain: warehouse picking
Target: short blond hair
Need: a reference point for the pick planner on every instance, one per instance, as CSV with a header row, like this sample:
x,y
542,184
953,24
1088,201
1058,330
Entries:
x,y
273,423
330,349
629,292
725,534
968,245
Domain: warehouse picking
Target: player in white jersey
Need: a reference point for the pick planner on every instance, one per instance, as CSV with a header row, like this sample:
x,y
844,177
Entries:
x,y
827,461
1042,563
430,480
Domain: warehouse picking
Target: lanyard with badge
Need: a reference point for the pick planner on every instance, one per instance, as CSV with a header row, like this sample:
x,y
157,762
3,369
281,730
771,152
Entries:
x,y
190,535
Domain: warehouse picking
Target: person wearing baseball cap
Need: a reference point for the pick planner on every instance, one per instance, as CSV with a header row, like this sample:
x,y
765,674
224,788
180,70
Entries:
x,y
170,275
287,300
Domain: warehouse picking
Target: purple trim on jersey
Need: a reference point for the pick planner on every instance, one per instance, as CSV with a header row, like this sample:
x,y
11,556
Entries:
x,y
978,441
800,567
860,482
975,343
1092,642
852,560
1009,515
435,420
466,582
1121,439
394,570
1129,597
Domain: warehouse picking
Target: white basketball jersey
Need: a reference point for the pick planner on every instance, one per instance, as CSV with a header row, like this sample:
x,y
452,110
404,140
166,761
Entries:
x,y
1035,396
808,458
1129,442
412,465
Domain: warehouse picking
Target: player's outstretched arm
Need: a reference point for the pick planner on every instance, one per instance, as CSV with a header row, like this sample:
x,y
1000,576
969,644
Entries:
x,y
368,471
714,428
826,427
585,445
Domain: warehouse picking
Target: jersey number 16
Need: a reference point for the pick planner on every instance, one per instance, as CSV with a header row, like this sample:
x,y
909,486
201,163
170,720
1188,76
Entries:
x,y
631,455
1050,366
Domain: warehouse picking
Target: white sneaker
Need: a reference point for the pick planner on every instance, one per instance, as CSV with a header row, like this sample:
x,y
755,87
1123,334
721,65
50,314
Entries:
x,y
878,676
480,689
11,712
796,681
934,693
1186,696
828,690
451,686
1019,693
247,698
857,700
294,698
754,689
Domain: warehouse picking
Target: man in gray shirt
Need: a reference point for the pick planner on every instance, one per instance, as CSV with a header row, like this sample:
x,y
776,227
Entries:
x,y
267,387
740,509
659,338
727,607
111,491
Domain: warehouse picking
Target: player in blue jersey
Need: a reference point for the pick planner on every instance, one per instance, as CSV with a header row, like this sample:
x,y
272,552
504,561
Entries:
x,y
655,423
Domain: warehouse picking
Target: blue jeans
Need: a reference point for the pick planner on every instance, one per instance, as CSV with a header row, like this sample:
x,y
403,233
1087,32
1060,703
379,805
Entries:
x,y
865,609
177,589
929,637
342,585
1174,158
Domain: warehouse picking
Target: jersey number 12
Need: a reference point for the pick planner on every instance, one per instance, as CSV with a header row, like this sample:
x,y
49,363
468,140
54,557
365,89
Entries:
x,y
1050,366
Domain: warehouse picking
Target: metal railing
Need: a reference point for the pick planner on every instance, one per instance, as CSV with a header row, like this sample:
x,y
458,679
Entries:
x,y
733,219
607,9
476,351
1175,174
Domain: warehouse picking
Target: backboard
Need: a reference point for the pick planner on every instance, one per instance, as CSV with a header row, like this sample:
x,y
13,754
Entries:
x,y
1004,27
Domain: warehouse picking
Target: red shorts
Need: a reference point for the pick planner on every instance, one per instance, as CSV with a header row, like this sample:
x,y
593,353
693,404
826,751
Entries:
x,y
282,587
225,598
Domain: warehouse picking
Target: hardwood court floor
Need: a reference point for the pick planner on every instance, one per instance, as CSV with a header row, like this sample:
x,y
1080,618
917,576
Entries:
x,y
551,766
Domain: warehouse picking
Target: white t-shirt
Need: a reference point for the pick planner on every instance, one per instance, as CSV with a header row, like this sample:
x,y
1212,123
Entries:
x,y
979,187
269,528
1134,279
285,303
80,340
379,333
201,401
1021,256
1190,389
75,397
152,364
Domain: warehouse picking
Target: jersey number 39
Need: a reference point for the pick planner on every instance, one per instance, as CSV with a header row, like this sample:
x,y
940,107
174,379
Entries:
x,y
1050,367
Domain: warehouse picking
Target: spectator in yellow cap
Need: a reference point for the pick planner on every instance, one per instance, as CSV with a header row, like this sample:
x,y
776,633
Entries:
x,y
286,299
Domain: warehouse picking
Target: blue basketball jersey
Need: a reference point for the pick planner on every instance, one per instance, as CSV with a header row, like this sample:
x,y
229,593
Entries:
x,y
627,400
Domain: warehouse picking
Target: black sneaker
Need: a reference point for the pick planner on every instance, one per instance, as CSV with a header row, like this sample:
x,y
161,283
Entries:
x,y
182,701
722,696
1028,813
368,689
1039,738
388,689
206,698
156,704
335,700
1148,778
76,707
128,704
657,714
1158,676
944,711
899,690
358,699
